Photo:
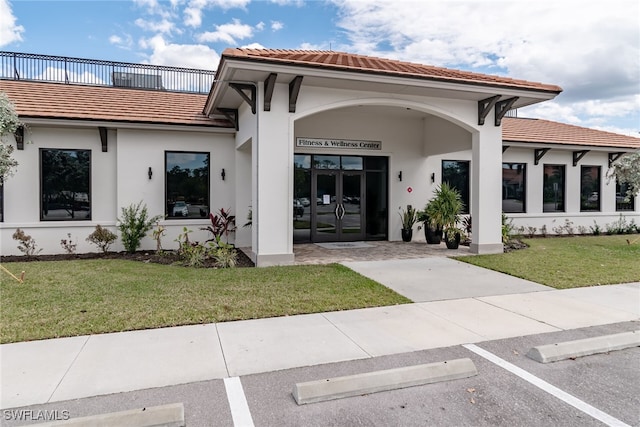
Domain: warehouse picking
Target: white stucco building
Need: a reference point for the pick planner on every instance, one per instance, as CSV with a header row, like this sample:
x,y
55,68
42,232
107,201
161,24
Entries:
x,y
319,146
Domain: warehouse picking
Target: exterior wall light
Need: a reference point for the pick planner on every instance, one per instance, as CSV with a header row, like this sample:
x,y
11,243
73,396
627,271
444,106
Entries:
x,y
433,177
150,172
400,176
223,174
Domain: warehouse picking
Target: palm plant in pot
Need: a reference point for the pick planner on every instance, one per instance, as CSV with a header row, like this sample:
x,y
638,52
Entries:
x,y
447,207
409,217
429,219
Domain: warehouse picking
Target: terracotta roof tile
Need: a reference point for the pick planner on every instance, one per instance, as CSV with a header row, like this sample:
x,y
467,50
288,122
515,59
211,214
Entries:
x,y
548,132
361,63
62,101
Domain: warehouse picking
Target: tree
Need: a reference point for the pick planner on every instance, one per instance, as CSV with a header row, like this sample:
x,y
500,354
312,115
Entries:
x,y
9,122
627,170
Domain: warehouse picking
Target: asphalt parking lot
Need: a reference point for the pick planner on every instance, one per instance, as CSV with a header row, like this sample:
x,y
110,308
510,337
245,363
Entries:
x,y
608,383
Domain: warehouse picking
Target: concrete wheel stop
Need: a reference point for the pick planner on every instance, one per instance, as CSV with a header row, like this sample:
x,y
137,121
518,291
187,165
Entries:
x,y
171,415
584,347
390,379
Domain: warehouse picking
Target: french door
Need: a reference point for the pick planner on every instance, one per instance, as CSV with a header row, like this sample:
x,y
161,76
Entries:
x,y
336,205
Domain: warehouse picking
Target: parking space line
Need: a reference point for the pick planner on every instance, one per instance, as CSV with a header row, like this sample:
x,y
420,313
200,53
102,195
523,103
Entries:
x,y
238,403
545,386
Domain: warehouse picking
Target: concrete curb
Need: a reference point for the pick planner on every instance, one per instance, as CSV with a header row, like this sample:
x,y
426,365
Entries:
x,y
171,415
585,347
391,379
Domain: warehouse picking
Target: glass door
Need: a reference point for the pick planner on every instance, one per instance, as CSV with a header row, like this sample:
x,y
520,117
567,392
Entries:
x,y
337,214
350,209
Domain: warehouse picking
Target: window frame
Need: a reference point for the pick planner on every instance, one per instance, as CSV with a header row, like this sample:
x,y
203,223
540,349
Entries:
x,y
166,186
41,152
466,196
564,187
631,203
524,185
583,206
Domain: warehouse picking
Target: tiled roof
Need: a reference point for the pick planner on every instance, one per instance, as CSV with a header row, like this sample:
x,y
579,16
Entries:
x,y
67,101
548,132
368,64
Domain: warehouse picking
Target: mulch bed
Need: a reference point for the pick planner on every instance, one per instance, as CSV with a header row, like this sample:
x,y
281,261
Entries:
x,y
167,258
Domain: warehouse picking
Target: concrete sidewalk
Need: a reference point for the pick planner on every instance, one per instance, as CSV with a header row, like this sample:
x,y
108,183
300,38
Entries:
x,y
68,368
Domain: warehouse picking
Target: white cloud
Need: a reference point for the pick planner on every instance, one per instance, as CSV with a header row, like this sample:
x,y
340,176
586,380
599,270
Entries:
x,y
10,32
194,10
124,42
260,26
163,26
180,55
276,25
253,46
589,48
227,33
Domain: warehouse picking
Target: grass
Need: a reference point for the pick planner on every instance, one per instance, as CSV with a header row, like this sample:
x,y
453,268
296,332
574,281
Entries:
x,y
569,262
69,298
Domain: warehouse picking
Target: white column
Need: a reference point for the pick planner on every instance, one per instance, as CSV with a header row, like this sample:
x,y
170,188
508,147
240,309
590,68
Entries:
x,y
486,185
272,195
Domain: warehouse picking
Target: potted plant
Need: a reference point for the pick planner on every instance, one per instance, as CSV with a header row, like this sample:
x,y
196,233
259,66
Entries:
x,y
409,217
444,211
429,217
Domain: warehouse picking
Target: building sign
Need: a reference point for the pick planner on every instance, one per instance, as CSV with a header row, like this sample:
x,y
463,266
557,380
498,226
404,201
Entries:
x,y
338,143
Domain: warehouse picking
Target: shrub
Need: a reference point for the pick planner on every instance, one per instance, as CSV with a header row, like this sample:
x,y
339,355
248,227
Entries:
x,y
531,231
507,228
27,244
102,238
68,245
222,223
595,228
225,255
134,224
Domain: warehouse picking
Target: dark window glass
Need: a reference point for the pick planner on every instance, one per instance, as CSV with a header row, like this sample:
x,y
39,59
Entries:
x,y
513,187
590,188
375,163
456,174
1,201
352,163
326,162
622,204
65,184
301,203
187,184
376,204
302,161
553,188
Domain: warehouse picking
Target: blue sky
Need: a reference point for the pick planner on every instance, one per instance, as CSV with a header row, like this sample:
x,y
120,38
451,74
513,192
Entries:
x,y
590,48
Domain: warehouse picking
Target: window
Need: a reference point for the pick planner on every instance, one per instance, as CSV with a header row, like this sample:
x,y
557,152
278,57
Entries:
x,y
589,188
456,174
65,185
187,184
1,201
513,187
553,188
621,193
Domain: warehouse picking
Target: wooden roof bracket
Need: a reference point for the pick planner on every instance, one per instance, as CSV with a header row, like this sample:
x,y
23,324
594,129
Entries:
x,y
19,136
502,107
241,88
294,90
269,84
232,115
103,138
578,155
613,157
484,106
539,154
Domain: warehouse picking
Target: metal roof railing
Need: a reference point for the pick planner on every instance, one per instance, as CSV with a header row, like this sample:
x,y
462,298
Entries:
x,y
48,68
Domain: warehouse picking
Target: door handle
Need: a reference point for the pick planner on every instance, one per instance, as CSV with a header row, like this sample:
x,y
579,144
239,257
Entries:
x,y
342,210
337,210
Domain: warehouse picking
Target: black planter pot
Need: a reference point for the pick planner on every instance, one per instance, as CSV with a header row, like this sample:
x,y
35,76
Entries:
x,y
433,236
452,243
407,234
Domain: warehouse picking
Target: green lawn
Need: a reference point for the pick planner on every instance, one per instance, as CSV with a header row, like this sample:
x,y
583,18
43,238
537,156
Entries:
x,y
68,298
569,262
